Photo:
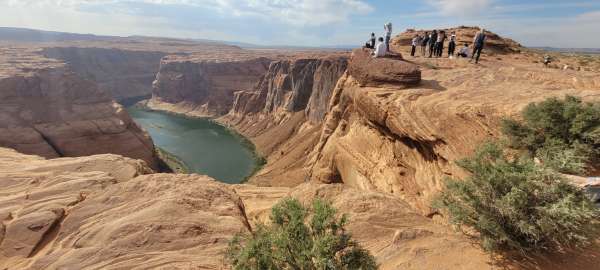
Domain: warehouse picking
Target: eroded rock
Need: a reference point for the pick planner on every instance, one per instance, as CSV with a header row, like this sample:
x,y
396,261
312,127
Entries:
x,y
118,216
26,233
390,71
54,113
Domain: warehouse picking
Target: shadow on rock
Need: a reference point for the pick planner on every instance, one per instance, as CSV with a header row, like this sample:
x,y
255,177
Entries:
x,y
433,85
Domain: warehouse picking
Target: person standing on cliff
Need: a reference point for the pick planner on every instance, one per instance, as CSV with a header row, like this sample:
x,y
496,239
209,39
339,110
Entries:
x,y
424,42
439,44
478,43
452,45
416,41
373,40
388,34
432,41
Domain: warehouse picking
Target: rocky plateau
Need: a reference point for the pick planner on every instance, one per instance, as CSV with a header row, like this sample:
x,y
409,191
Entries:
x,y
376,137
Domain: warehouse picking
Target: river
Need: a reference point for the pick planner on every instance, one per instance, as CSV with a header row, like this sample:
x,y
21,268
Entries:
x,y
204,146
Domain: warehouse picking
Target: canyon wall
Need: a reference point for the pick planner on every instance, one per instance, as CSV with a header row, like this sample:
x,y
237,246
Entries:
x,y
124,74
53,112
282,115
204,87
404,138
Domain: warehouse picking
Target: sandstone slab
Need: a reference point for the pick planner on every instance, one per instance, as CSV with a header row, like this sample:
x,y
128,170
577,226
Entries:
x,y
389,71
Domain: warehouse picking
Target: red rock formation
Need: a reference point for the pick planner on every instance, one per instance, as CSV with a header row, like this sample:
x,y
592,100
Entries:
x,y
106,212
53,112
390,71
124,74
405,142
293,86
283,114
204,88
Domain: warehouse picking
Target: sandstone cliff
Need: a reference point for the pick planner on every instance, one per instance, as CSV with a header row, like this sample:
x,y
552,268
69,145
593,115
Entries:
x,y
121,73
283,114
374,136
405,142
205,87
46,109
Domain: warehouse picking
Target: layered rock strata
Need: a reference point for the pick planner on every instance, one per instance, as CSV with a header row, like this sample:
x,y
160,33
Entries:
x,y
405,142
283,114
388,71
48,110
203,88
121,73
108,212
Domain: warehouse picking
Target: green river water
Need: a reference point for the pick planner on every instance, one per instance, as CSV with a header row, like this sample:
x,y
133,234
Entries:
x,y
204,146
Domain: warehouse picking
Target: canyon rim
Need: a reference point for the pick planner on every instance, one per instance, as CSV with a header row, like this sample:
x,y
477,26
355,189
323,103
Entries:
x,y
84,188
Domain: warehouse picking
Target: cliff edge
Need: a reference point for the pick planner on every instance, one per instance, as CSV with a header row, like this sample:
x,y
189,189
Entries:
x,y
48,110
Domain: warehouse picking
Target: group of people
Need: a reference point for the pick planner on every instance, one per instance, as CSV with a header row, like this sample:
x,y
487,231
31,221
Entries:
x,y
430,43
381,46
434,44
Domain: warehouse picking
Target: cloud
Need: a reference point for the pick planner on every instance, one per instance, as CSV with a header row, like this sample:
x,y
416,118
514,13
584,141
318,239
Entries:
x,y
293,12
463,8
306,12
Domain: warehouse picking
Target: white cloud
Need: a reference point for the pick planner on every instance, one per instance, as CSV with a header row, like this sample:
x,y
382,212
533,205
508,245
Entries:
x,y
294,12
461,7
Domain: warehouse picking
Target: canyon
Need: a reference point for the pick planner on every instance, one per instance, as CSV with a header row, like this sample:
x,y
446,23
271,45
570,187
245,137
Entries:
x,y
377,137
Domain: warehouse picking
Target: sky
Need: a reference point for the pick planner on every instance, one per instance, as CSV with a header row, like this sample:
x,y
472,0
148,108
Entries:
x,y
555,23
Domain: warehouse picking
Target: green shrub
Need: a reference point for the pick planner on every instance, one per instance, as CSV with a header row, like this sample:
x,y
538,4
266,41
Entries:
x,y
563,134
515,204
293,241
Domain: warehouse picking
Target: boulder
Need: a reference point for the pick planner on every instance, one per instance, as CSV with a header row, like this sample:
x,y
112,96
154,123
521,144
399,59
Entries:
x,y
392,71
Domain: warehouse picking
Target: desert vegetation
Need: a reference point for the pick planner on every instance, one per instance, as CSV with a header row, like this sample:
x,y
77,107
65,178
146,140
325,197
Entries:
x,y
300,238
562,134
514,202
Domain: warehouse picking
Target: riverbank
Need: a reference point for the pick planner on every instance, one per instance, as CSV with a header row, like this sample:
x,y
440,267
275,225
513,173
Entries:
x,y
172,163
190,144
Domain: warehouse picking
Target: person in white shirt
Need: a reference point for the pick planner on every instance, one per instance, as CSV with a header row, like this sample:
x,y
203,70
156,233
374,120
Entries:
x,y
464,52
388,34
416,41
380,49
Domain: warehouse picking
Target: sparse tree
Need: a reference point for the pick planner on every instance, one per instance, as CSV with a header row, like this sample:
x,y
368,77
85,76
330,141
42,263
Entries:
x,y
298,238
515,204
563,134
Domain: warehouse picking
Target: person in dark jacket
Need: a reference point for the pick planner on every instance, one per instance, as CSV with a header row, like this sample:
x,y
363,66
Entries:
x,y
371,43
424,43
439,45
478,43
432,41
452,45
